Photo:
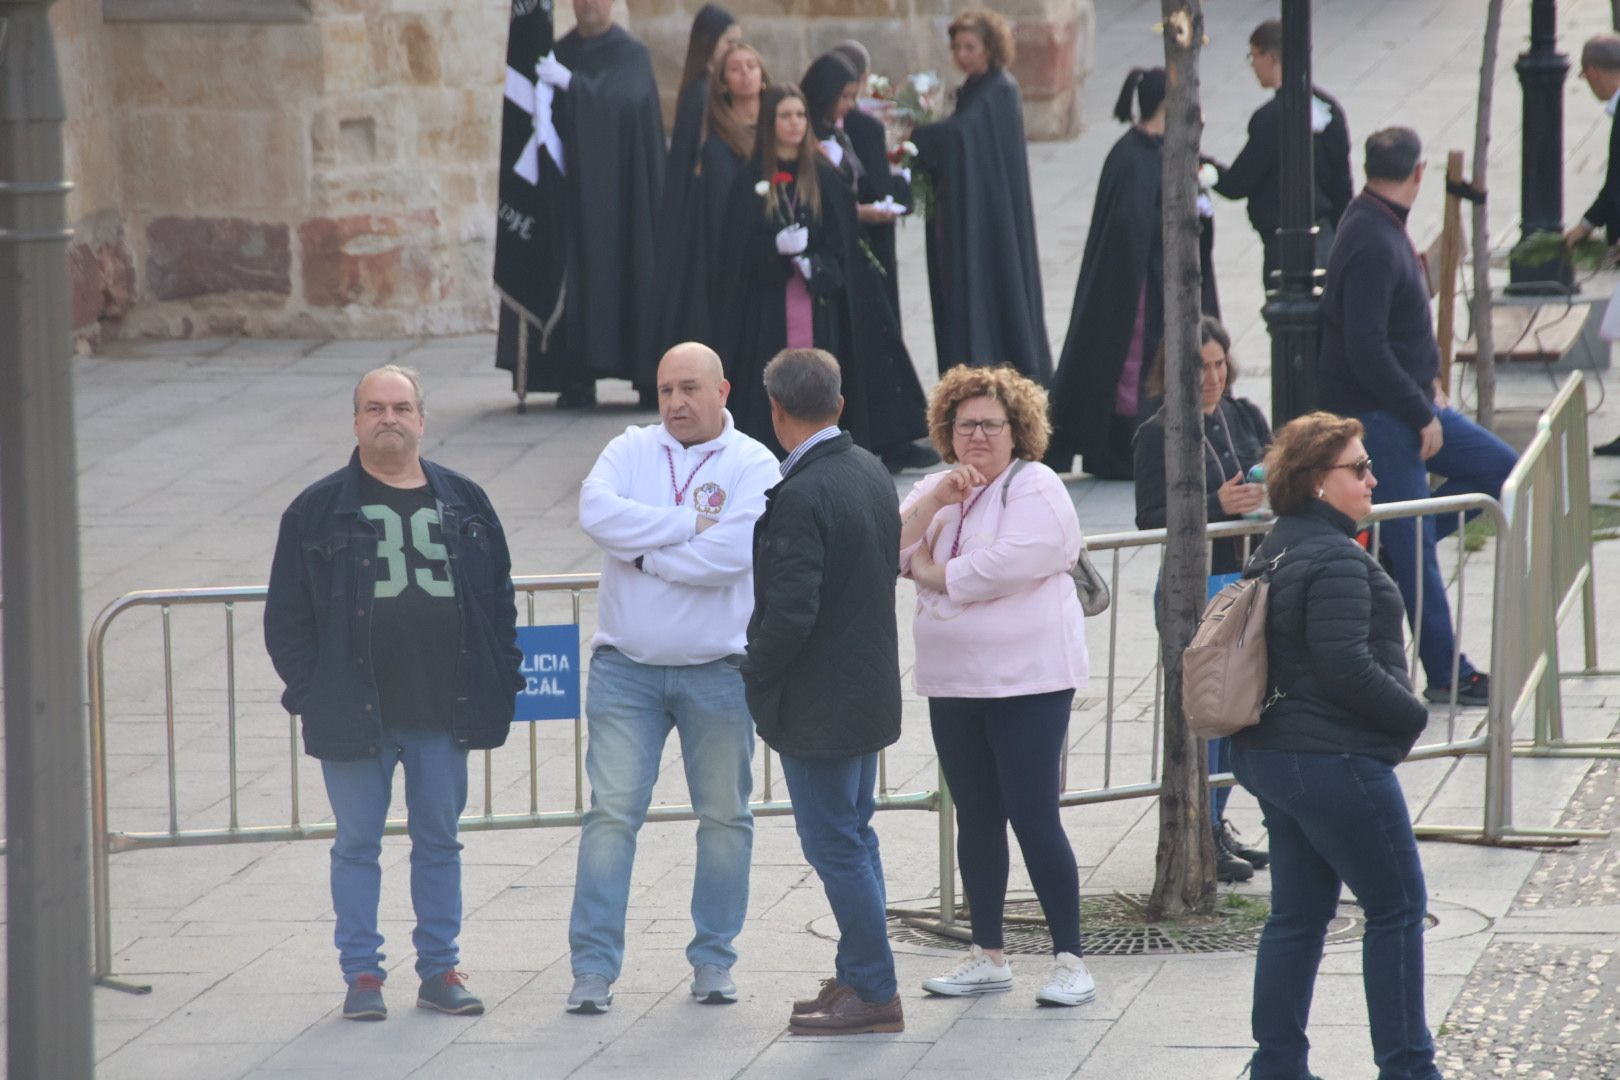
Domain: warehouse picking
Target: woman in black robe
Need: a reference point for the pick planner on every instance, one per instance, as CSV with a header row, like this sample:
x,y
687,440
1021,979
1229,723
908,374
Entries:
x,y
783,259
896,406
681,312
1099,397
878,179
984,272
732,123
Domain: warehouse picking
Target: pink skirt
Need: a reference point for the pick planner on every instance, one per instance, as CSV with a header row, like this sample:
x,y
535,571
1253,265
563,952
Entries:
x,y
801,330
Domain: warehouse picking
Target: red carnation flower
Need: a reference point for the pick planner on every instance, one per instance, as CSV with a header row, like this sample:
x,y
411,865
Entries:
x,y
782,178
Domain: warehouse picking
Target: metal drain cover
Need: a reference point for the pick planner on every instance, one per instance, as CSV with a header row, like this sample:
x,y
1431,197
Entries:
x,y
1115,924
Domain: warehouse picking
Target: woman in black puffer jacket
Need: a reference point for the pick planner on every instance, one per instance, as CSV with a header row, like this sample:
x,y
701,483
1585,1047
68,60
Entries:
x,y
1322,759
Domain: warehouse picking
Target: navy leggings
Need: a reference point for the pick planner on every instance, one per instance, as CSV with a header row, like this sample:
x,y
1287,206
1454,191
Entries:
x,y
1000,757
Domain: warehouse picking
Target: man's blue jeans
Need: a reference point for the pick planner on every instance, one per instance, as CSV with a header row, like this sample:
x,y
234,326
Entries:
x,y
435,795
1335,818
1473,461
630,710
833,802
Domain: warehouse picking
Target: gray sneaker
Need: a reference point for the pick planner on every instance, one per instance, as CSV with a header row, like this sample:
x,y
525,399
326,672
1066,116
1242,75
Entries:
x,y
712,985
590,995
364,1001
445,993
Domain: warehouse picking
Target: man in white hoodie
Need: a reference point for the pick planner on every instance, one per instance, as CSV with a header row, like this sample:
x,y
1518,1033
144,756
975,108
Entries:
x,y
673,507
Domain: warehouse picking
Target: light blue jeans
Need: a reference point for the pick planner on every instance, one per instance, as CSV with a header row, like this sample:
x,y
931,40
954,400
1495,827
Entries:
x,y
630,709
435,795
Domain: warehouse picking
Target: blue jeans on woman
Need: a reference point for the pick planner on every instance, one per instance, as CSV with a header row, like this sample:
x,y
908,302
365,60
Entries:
x,y
435,795
1332,819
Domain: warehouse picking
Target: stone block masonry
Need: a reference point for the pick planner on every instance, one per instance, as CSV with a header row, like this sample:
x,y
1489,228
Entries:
x,y
329,167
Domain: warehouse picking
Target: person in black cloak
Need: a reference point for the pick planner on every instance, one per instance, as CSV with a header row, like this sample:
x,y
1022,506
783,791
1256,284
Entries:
x,y
896,406
607,111
984,273
878,178
783,259
732,123
680,287
1098,397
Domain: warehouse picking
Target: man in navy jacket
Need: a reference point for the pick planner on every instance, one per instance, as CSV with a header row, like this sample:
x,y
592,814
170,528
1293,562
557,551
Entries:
x,y
1380,363
390,617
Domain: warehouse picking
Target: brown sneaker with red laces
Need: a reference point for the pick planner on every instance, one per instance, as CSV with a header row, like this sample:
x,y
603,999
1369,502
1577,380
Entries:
x,y
847,1014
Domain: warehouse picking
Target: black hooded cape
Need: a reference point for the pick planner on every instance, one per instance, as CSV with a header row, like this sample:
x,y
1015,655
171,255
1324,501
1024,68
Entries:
x,y
1123,262
750,312
867,136
612,129
680,288
983,269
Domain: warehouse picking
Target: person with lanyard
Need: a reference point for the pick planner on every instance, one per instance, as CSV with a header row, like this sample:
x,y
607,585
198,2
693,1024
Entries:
x,y
1001,650
1236,436
672,506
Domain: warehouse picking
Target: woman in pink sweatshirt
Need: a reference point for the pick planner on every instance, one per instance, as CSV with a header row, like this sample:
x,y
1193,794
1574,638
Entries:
x,y
1000,652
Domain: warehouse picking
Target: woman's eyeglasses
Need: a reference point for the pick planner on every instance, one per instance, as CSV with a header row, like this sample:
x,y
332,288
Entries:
x,y
991,428
1361,467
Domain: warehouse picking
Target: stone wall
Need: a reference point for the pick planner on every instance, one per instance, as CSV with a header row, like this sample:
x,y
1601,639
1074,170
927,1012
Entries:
x,y
329,167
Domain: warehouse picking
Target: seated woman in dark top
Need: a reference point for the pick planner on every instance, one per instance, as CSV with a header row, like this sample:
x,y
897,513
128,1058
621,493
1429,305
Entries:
x,y
1236,436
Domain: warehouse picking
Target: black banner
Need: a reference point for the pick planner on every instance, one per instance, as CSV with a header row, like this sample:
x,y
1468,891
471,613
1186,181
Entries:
x,y
529,252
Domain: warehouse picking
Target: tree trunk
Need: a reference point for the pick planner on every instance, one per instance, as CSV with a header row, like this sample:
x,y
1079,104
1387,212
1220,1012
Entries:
x,y
1484,338
1184,865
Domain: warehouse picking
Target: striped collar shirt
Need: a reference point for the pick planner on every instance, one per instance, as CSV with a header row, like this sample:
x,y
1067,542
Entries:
x,y
805,447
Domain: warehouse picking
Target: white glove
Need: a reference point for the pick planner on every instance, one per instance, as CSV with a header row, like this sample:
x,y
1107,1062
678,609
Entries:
x,y
803,265
551,72
902,171
792,240
897,209
1208,175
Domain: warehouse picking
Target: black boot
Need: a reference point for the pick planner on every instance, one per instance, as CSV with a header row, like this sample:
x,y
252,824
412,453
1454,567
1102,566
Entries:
x,y
1230,868
1228,835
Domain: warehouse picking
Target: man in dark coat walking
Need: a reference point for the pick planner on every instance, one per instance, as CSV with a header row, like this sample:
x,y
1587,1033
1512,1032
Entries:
x,y
823,672
1600,67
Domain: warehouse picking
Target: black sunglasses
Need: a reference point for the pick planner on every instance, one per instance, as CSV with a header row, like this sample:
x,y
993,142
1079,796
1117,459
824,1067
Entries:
x,y
1361,467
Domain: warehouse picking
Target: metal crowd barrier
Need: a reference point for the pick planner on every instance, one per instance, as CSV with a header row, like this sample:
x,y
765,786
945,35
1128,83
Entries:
x,y
106,841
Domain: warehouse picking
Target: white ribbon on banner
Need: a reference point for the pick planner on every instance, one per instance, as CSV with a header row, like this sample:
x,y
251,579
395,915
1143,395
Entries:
x,y
534,98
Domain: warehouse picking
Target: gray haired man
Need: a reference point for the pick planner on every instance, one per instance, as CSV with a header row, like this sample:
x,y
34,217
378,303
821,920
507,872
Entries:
x,y
1600,67
823,672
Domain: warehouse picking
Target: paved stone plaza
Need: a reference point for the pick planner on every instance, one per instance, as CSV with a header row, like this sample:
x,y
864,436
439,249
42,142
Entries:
x,y
190,450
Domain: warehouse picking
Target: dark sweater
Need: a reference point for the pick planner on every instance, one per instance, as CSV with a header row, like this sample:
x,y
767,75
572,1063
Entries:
x,y
1250,435
1604,213
1378,345
1256,173
1336,664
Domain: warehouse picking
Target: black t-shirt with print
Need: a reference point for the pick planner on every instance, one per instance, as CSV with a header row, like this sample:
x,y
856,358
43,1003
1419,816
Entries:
x,y
416,625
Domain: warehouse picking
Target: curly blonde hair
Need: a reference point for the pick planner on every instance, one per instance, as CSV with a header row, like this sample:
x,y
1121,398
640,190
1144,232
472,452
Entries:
x,y
991,29
1023,398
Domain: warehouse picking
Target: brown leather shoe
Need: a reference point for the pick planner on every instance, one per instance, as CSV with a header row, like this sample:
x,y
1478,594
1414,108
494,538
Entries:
x,y
847,1014
823,998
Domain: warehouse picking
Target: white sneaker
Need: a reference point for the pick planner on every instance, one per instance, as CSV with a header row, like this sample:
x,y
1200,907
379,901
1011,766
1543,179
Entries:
x,y
1070,982
978,974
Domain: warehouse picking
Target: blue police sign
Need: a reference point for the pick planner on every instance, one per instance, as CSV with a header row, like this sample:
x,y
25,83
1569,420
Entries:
x,y
550,670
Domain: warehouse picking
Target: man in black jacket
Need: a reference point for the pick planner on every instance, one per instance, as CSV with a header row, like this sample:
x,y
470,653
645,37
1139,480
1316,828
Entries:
x,y
1380,363
390,617
1600,67
823,672
1256,173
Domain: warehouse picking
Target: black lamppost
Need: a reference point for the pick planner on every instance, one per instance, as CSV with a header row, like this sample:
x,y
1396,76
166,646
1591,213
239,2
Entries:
x,y
1542,70
1293,308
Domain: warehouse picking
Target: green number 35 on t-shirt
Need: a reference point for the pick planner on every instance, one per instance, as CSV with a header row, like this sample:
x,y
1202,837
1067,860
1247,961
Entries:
x,y
391,550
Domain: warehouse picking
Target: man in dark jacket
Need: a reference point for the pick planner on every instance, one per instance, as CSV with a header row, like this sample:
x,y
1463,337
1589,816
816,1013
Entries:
x,y
823,672
1600,67
390,617
1379,363
1256,173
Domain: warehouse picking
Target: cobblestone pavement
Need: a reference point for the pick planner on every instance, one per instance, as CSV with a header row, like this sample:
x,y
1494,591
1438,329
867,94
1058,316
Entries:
x,y
1545,1005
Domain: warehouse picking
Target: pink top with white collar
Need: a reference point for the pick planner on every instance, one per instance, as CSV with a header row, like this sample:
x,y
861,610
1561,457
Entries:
x,y
1009,622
